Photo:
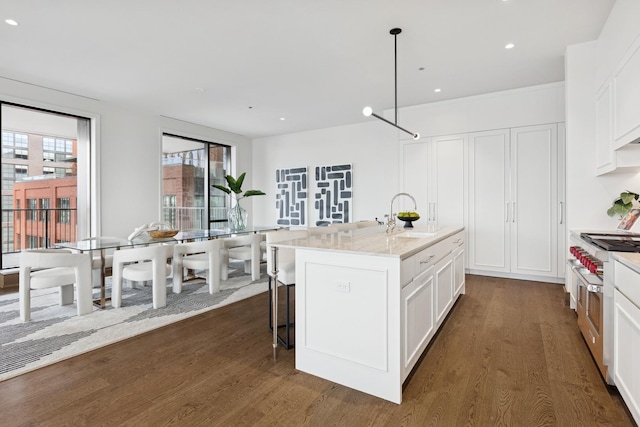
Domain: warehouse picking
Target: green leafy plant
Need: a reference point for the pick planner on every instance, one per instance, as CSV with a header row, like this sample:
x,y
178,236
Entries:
x,y
235,187
622,204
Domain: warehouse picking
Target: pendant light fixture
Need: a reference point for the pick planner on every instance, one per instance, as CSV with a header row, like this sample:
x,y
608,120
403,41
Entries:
x,y
368,111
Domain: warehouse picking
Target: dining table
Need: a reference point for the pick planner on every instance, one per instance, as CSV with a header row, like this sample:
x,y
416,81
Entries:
x,y
103,244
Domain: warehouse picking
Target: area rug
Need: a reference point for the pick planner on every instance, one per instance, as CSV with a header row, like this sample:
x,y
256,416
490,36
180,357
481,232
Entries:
x,y
56,333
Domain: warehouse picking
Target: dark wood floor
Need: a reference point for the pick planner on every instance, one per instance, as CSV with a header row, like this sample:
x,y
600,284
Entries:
x,y
509,354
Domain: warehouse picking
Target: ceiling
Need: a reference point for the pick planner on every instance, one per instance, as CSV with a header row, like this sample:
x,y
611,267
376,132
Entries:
x,y
242,65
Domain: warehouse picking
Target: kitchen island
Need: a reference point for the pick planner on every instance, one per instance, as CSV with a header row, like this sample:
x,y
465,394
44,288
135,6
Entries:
x,y
368,302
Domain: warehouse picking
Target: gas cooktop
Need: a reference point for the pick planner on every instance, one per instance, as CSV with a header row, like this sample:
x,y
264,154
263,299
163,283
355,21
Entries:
x,y
615,242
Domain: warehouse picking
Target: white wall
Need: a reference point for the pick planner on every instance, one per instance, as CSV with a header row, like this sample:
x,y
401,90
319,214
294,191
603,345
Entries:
x,y
370,147
589,196
129,152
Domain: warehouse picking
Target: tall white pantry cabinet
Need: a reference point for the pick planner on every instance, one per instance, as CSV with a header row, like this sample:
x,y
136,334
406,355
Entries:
x,y
505,186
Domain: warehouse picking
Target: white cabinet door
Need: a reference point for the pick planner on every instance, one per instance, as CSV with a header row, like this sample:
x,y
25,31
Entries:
x,y
626,98
489,222
562,206
443,275
513,201
448,176
534,194
417,319
605,156
414,176
626,343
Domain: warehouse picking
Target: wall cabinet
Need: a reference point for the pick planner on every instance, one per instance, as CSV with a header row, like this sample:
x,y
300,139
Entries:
x,y
617,118
626,98
605,156
513,201
433,170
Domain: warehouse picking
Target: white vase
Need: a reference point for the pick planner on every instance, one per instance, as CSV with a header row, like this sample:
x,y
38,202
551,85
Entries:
x,y
237,217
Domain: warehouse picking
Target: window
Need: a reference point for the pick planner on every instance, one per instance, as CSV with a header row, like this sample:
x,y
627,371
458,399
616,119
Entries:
x,y
189,167
44,209
14,145
32,242
12,174
42,162
64,214
169,211
32,210
56,149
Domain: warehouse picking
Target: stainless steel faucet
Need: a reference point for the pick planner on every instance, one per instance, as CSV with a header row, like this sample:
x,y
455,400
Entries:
x,y
391,218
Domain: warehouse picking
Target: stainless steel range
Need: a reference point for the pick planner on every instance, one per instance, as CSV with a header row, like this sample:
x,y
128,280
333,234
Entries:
x,y
590,285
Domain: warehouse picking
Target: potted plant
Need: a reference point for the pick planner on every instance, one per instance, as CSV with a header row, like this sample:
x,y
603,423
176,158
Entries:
x,y
622,204
237,215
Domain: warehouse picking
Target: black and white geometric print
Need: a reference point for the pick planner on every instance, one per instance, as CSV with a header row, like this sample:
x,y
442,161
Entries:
x,y
332,194
291,196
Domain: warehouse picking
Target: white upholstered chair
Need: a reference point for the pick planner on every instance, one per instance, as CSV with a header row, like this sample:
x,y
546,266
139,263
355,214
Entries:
x,y
203,255
286,265
48,268
245,248
139,265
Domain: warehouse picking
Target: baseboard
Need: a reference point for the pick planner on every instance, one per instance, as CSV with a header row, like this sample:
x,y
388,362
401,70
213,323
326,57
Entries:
x,y
558,280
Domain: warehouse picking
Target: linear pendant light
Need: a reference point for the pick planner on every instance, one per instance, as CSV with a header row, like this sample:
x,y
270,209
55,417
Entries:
x,y
368,111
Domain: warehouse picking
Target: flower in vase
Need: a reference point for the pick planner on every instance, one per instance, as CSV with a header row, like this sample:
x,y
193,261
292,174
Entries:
x,y
237,215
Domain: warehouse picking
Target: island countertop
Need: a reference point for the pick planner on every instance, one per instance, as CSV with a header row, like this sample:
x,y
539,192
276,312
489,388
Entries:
x,y
401,243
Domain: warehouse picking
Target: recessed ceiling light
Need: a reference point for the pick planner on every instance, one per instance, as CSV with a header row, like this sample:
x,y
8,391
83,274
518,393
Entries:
x,y
281,118
437,90
509,46
11,22
200,89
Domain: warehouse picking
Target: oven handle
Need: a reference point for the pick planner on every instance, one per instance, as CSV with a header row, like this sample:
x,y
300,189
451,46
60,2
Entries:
x,y
590,287
594,289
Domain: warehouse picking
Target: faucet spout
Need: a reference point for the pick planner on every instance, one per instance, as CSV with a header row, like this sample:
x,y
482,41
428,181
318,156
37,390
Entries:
x,y
391,222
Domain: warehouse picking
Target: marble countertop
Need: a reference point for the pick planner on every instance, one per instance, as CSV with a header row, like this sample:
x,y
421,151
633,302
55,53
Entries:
x,y
400,243
630,259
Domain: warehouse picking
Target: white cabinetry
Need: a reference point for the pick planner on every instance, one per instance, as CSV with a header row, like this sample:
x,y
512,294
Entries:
x,y
513,201
626,98
444,288
430,295
417,323
617,118
605,158
626,337
433,170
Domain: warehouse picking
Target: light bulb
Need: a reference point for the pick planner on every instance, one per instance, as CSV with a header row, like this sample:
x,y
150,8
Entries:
x,y
367,111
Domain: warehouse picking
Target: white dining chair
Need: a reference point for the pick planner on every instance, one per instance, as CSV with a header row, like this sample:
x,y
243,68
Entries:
x,y
245,248
203,255
48,268
140,264
286,264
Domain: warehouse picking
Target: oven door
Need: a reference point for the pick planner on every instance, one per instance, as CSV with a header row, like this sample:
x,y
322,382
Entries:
x,y
590,304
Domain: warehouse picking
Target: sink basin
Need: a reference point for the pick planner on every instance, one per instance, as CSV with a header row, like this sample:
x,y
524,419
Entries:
x,y
417,234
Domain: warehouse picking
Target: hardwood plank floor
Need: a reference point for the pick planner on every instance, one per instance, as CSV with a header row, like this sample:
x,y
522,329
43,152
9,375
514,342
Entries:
x,y
509,354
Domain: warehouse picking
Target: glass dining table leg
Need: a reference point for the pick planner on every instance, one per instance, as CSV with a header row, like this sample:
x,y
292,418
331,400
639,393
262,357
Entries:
x,y
102,302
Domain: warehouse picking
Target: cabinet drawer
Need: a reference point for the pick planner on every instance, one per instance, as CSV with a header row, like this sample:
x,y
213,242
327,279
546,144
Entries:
x,y
628,282
407,270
